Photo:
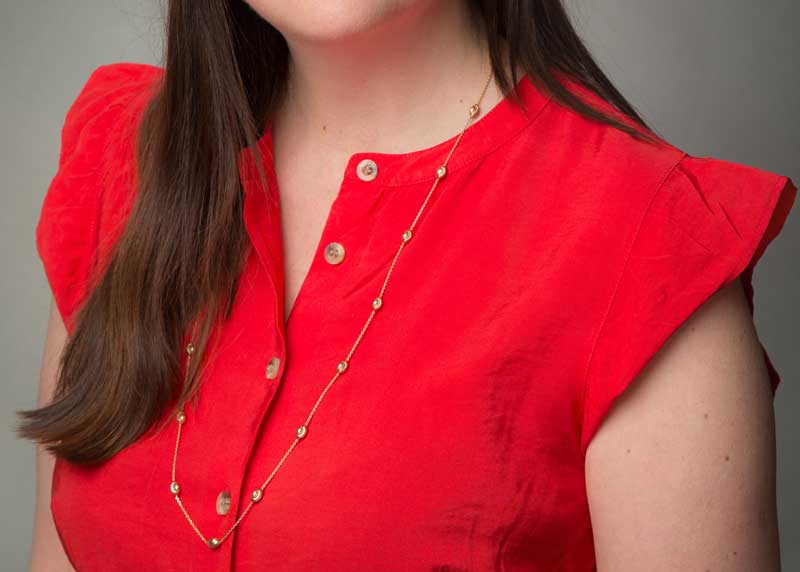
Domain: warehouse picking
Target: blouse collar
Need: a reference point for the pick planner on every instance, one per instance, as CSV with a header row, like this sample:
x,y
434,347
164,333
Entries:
x,y
493,128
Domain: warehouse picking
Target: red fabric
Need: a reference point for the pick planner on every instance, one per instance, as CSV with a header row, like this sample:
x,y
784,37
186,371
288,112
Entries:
x,y
552,262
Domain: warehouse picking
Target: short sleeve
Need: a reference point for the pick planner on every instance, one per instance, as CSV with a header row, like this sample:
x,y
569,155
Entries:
x,y
67,232
708,223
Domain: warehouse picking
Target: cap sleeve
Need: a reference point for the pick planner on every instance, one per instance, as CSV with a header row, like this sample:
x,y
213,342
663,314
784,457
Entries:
x,y
708,223
68,229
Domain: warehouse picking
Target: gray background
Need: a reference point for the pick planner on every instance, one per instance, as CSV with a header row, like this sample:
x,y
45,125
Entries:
x,y
715,77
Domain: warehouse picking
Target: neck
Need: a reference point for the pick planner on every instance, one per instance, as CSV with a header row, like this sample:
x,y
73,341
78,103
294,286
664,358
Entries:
x,y
399,86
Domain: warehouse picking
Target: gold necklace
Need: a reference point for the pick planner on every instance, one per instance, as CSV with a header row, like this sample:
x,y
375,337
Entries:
x,y
341,367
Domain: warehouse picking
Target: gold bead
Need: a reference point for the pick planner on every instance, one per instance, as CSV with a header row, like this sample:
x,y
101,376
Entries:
x,y
377,303
441,171
213,543
174,488
407,236
473,111
180,417
190,348
342,366
302,431
257,495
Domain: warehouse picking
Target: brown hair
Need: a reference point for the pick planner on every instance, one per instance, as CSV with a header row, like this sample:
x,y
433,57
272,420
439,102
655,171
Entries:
x,y
180,254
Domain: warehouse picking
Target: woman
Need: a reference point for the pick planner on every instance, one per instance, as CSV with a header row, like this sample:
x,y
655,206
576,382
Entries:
x,y
330,295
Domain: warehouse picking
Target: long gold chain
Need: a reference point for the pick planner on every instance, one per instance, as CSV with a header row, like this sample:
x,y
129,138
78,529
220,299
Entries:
x,y
341,367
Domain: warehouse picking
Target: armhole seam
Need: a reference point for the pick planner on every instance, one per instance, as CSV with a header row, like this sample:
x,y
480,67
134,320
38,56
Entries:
x,y
613,297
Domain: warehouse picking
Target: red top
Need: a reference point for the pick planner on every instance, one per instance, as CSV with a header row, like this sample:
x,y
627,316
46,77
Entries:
x,y
551,263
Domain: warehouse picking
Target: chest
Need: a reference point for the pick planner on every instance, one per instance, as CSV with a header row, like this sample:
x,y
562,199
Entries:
x,y
450,441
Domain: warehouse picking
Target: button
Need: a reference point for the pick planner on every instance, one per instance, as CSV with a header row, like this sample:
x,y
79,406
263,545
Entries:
x,y
223,503
272,367
334,253
367,170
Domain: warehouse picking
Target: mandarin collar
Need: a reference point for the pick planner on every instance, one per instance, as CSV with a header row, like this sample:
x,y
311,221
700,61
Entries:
x,y
492,128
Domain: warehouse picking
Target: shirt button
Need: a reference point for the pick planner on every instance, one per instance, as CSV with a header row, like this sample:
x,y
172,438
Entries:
x,y
334,253
367,170
223,503
272,367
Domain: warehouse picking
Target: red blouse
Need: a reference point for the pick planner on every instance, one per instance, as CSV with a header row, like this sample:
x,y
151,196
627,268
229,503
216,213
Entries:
x,y
552,262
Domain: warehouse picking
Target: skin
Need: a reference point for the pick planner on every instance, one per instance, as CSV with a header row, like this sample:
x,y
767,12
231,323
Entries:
x,y
380,75
681,475
47,553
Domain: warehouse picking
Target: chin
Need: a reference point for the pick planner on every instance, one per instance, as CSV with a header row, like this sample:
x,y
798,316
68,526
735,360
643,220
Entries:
x,y
331,20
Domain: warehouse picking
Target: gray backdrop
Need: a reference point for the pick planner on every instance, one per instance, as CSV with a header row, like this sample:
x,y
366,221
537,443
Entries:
x,y
715,77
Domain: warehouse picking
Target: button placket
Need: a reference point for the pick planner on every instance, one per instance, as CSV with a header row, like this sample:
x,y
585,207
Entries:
x,y
273,357
334,252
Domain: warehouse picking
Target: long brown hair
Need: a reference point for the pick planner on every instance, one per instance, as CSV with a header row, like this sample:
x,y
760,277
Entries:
x,y
180,254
